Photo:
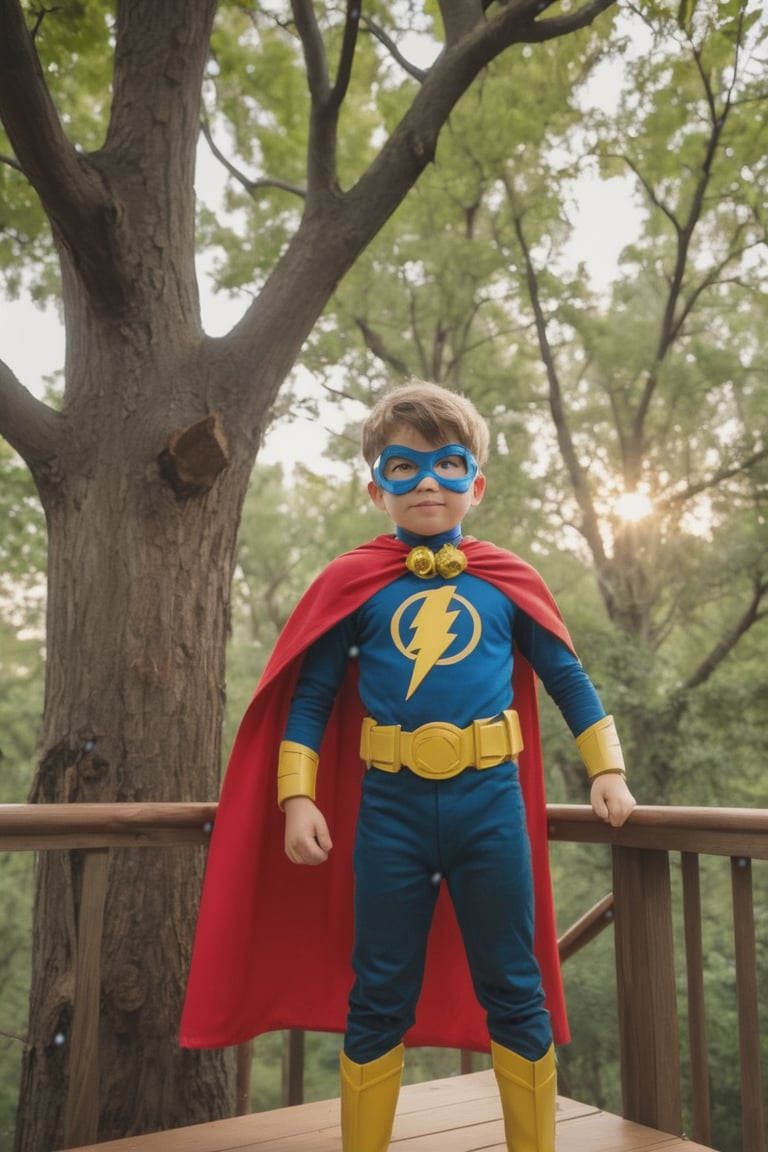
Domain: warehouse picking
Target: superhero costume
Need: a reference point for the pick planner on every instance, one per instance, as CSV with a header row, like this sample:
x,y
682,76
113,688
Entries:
x,y
435,653
274,941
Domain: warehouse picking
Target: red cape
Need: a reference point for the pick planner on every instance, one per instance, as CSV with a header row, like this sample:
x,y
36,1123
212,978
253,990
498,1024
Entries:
x,y
273,942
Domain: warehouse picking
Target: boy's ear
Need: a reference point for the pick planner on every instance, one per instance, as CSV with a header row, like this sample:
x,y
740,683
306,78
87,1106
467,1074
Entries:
x,y
478,488
376,495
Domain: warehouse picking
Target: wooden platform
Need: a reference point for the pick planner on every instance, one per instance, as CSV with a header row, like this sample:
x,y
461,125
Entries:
x,y
457,1114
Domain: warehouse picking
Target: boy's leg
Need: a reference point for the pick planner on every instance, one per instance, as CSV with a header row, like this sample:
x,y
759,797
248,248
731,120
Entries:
x,y
491,886
395,863
488,872
528,1091
394,902
369,1095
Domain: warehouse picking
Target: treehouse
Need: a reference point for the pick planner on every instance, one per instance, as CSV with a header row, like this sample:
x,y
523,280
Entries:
x,y
656,901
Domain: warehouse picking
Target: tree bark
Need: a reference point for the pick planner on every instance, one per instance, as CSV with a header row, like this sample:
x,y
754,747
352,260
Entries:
x,y
139,580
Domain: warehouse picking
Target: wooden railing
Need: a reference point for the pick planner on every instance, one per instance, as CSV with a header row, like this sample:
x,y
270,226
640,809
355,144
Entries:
x,y
645,965
640,908
95,829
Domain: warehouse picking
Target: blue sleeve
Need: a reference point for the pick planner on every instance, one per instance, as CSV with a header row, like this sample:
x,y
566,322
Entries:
x,y
319,680
560,672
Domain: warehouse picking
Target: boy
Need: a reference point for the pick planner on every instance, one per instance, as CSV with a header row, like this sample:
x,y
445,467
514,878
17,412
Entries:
x,y
436,637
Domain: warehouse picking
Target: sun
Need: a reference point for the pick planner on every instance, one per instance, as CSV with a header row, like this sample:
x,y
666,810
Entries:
x,y
633,506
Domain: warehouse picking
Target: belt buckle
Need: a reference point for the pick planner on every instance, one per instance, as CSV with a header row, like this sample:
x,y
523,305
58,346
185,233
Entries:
x,y
436,750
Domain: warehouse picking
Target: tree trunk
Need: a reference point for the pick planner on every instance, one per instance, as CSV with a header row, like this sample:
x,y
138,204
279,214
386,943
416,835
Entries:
x,y
140,567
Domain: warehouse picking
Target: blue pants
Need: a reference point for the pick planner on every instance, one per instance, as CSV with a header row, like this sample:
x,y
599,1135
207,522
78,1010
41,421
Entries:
x,y
470,830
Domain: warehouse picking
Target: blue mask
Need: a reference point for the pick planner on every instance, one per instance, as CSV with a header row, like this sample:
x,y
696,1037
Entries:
x,y
453,467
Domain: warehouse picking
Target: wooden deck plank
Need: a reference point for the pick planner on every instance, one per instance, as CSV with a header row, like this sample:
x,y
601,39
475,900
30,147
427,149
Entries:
x,y
456,1114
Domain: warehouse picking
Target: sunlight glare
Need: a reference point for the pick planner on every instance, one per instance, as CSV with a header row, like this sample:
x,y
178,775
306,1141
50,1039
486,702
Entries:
x,y
633,506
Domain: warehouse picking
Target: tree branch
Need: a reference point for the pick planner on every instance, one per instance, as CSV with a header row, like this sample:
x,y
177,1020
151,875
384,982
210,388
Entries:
x,y
647,187
379,34
684,237
752,615
349,42
250,186
460,17
314,51
336,227
672,318
378,348
34,129
538,31
589,527
411,147
713,277
716,478
323,121
31,427
71,191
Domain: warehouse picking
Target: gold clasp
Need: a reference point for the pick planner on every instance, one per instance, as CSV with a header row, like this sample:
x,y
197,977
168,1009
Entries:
x,y
436,750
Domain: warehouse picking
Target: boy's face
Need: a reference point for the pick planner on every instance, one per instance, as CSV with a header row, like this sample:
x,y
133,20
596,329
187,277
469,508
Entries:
x,y
428,508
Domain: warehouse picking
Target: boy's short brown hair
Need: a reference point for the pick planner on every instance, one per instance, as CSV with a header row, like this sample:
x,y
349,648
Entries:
x,y
439,415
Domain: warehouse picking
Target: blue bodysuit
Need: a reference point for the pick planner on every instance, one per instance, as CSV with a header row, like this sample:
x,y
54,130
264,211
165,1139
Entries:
x,y
440,650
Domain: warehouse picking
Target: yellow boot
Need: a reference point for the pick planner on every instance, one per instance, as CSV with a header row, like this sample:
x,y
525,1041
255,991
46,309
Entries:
x,y
369,1095
528,1090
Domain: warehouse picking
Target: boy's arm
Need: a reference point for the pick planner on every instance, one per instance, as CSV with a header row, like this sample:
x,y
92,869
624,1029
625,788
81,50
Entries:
x,y
611,799
307,839
601,752
574,693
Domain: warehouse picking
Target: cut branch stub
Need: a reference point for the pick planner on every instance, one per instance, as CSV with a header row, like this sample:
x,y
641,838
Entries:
x,y
194,456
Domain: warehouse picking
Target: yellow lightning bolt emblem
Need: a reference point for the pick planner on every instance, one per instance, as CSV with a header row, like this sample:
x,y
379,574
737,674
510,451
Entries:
x,y
431,633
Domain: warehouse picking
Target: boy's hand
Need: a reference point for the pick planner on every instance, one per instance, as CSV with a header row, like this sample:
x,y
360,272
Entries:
x,y
611,800
307,840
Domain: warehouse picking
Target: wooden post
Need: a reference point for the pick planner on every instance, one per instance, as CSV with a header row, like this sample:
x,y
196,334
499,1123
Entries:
x,y
701,1126
752,1108
293,1067
243,1081
81,1117
645,973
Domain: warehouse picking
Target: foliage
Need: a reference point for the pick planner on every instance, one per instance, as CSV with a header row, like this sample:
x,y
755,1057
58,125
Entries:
x,y
23,541
22,561
74,50
16,883
21,683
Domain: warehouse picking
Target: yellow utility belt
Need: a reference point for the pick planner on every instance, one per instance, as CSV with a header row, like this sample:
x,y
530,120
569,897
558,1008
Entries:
x,y
438,751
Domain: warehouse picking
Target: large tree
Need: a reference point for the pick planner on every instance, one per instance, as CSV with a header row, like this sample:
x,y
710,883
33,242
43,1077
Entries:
x,y
143,469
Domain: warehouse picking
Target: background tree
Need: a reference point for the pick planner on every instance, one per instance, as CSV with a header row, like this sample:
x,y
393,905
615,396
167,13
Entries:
x,y
22,599
21,682
143,470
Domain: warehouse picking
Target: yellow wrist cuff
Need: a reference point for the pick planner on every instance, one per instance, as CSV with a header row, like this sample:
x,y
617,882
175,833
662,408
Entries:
x,y
600,748
296,771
